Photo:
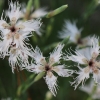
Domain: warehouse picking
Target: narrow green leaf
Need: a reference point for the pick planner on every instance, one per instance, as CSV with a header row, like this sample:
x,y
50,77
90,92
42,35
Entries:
x,y
29,5
53,45
39,76
65,41
49,47
28,9
23,88
36,4
90,9
56,11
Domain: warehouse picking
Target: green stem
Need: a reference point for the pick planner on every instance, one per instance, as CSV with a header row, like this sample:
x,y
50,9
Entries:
x,y
56,11
36,4
53,45
90,9
1,5
93,91
32,79
28,9
23,87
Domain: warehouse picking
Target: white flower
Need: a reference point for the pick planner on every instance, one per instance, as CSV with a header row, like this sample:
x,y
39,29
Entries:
x,y
35,13
38,13
13,33
90,88
83,75
41,65
87,57
19,57
14,11
71,29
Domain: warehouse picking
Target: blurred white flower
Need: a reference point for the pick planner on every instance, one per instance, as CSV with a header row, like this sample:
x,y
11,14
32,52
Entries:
x,y
87,57
90,88
37,30
71,29
40,12
41,65
6,98
99,1
15,34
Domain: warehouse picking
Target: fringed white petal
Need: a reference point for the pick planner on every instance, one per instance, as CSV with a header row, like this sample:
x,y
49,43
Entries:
x,y
13,61
31,25
70,29
51,81
4,33
81,57
25,34
96,76
14,11
95,46
4,46
35,68
62,71
39,31
38,56
39,13
18,57
86,52
19,40
55,56
81,78
2,24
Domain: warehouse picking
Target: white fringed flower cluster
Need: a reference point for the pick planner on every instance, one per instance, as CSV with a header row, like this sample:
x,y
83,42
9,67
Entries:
x,y
14,35
13,43
88,58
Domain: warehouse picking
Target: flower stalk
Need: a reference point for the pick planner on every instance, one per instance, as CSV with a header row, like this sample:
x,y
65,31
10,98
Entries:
x,y
36,4
23,87
93,91
28,8
56,11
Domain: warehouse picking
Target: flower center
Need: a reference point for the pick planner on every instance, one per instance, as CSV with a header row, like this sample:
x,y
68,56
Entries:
x,y
13,29
13,45
47,68
91,63
79,41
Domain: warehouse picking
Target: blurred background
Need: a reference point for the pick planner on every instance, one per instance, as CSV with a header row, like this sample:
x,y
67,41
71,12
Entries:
x,y
87,15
